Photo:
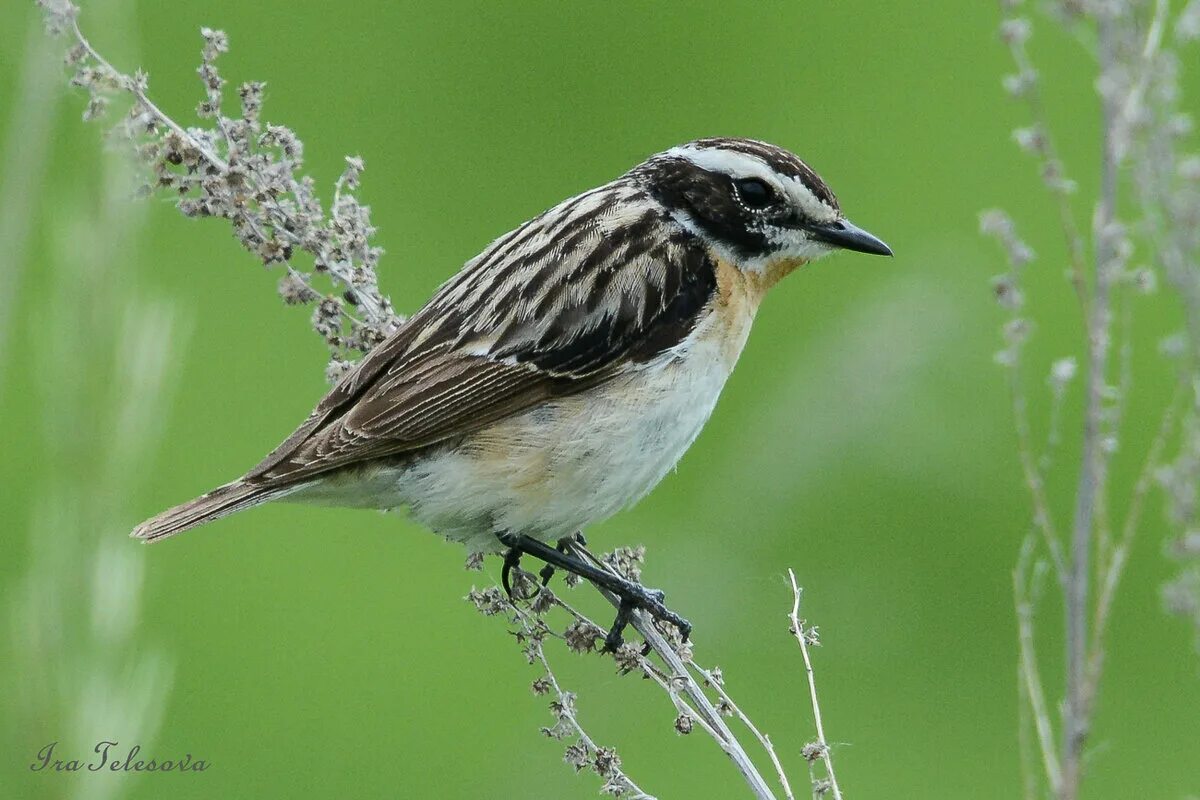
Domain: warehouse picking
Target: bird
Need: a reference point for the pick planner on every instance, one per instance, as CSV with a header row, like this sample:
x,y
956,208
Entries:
x,y
562,372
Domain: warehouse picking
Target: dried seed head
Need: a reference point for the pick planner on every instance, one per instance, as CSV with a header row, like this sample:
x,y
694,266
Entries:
x,y
58,16
606,762
354,168
96,107
1144,280
215,43
294,289
1031,140
813,751
577,756
336,369
628,658
627,561
812,636
1020,84
1015,31
1016,331
1062,372
488,602
543,601
581,636
251,95
1006,292
995,222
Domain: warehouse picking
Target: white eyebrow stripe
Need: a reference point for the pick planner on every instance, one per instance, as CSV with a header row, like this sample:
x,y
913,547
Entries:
x,y
715,159
744,165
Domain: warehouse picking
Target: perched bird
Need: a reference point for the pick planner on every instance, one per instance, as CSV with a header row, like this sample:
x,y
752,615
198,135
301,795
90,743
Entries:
x,y
565,369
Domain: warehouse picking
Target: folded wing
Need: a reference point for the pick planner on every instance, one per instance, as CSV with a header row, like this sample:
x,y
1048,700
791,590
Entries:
x,y
561,304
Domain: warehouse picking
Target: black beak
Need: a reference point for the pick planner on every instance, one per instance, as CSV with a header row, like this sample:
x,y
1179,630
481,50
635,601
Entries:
x,y
848,236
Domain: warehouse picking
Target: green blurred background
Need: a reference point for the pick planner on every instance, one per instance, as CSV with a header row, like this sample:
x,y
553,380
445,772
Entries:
x,y
865,439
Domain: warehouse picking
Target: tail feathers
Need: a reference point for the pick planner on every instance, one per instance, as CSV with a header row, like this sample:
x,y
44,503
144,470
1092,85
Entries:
x,y
220,502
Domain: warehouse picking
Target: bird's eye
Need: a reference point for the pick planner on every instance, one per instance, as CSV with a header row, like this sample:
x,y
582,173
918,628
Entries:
x,y
755,192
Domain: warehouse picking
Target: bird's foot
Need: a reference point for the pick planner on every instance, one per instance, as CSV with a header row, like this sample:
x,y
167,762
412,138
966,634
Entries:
x,y
564,547
631,595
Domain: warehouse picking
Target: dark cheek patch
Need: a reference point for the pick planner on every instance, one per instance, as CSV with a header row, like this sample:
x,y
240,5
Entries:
x,y
708,198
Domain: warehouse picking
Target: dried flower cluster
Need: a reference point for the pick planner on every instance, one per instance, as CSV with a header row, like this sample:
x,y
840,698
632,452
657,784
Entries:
x,y
247,171
1165,164
1145,224
698,696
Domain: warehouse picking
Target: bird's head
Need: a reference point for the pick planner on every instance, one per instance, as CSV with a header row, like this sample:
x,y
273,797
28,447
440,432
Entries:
x,y
756,205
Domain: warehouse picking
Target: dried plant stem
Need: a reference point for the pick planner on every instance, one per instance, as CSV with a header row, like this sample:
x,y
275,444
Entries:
x,y
565,703
1092,475
1052,167
699,701
1034,479
1141,121
1029,673
1114,567
135,89
763,739
802,637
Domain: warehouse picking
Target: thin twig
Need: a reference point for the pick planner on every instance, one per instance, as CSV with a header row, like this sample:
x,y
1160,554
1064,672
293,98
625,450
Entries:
x,y
1031,680
718,685
1034,481
565,707
1116,564
1052,163
725,738
802,638
1093,458
135,89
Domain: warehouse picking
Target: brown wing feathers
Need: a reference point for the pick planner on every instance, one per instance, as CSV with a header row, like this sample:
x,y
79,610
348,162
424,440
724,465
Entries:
x,y
540,313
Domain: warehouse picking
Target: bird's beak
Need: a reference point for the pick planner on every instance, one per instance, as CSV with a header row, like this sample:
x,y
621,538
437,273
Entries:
x,y
848,236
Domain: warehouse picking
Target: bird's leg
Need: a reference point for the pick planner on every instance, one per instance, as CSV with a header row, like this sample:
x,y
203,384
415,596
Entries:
x,y
632,595
563,546
512,560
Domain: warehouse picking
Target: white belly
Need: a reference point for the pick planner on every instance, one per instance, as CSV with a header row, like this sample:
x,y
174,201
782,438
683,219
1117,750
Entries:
x,y
566,464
